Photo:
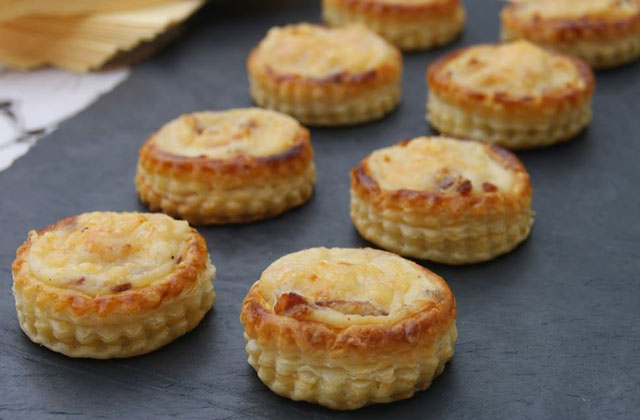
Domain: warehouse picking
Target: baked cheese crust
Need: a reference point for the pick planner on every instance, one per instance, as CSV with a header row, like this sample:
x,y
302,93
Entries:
x,y
605,33
105,285
325,76
408,24
346,328
233,166
515,94
445,200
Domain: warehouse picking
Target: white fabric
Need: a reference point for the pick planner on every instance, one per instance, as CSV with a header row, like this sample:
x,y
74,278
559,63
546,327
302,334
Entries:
x,y
32,104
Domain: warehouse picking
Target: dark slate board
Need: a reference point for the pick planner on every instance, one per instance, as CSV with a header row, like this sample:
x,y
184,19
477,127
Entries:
x,y
548,331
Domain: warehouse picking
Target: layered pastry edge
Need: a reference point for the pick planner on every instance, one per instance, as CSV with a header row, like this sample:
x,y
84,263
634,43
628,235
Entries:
x,y
355,362
237,189
409,26
515,121
339,97
459,228
603,41
122,320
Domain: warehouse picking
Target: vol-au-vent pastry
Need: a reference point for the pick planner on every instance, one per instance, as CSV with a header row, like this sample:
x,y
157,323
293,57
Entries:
x,y
440,199
326,76
104,285
516,95
346,328
232,166
408,24
605,33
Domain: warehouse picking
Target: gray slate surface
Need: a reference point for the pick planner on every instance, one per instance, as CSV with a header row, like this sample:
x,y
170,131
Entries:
x,y
548,331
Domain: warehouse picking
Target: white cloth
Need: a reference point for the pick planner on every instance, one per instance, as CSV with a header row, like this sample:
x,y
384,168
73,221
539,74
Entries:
x,y
32,104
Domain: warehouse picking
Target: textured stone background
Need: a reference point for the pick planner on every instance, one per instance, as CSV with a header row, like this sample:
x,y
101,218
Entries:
x,y
548,331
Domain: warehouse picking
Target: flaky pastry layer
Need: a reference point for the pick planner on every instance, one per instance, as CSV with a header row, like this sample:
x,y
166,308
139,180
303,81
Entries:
x,y
72,317
344,385
468,211
599,55
354,76
348,327
503,130
605,33
409,25
515,94
237,188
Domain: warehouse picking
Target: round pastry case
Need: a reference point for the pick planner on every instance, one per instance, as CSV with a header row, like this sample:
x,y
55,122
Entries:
x,y
546,331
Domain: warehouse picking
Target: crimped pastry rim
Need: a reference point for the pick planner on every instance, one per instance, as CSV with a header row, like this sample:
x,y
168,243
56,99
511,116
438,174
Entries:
x,y
129,302
447,89
511,138
380,75
385,72
570,30
263,324
364,183
408,11
398,386
242,165
368,77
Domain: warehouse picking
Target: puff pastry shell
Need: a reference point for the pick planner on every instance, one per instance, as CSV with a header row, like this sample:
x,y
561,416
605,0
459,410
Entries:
x,y
106,285
234,166
348,327
516,95
445,200
605,33
326,76
408,24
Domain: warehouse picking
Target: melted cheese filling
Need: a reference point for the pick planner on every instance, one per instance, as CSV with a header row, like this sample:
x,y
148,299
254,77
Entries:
x,y
224,135
318,52
516,69
331,280
105,253
439,165
576,9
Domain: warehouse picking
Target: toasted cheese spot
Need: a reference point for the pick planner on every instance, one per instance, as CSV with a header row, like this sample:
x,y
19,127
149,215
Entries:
x,y
577,9
352,307
321,52
104,253
349,286
489,187
228,134
517,69
290,304
440,165
296,306
465,187
121,287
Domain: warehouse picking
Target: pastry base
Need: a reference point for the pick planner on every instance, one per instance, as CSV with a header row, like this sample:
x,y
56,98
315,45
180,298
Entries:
x,y
408,35
333,107
599,55
116,336
464,243
512,133
211,203
343,384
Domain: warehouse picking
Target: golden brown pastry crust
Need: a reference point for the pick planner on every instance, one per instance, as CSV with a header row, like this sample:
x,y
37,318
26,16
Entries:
x,y
313,333
236,189
120,320
338,96
410,25
458,224
603,39
544,115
